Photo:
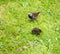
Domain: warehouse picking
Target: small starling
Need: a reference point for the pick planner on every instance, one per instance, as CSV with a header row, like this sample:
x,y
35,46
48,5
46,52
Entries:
x,y
36,31
33,16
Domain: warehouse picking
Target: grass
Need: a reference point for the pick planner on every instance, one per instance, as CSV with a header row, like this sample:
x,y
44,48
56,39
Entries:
x,y
15,28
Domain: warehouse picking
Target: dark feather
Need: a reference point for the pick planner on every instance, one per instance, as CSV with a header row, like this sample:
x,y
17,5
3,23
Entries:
x,y
33,15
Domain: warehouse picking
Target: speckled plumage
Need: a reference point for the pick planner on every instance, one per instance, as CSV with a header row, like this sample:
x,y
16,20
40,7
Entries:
x,y
36,31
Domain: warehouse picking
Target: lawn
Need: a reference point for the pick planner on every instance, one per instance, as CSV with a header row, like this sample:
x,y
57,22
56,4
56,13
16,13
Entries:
x,y
15,27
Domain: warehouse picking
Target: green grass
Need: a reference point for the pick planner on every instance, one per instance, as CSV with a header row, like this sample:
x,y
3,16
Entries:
x,y
15,27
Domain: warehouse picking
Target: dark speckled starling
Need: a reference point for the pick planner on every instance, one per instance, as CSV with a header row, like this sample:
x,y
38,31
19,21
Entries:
x,y
36,31
33,16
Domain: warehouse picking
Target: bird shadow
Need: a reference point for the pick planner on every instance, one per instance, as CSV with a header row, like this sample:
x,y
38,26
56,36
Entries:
x,y
33,21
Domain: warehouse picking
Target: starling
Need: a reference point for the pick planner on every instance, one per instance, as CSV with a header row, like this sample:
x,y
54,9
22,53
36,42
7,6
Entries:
x,y
36,31
33,16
